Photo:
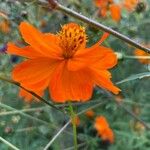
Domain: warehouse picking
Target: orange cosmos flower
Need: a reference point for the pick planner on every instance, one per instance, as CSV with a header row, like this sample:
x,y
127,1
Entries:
x,y
5,26
139,52
90,113
115,11
103,129
102,3
62,63
109,6
130,4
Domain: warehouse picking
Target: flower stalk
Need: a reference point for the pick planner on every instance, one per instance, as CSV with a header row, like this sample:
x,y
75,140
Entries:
x,y
72,116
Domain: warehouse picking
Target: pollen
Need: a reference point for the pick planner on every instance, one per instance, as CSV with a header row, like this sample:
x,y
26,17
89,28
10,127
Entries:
x,y
72,37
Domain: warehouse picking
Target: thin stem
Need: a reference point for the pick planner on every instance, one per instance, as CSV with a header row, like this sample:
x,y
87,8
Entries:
x,y
28,129
8,144
53,4
136,57
92,107
55,137
4,15
22,110
32,93
79,146
24,114
32,117
72,115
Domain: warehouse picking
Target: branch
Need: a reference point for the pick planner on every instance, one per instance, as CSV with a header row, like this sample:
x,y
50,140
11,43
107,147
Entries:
x,y
57,134
53,4
32,93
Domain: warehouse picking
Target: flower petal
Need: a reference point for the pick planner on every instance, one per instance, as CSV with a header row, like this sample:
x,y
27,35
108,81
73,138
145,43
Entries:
x,y
42,84
139,52
108,135
115,12
70,86
102,39
100,57
108,61
103,81
34,74
38,40
26,51
27,96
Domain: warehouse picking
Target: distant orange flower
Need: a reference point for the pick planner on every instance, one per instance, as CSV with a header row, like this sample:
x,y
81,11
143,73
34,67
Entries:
x,y
109,6
130,5
76,120
119,98
90,113
28,97
63,63
115,12
102,3
5,26
104,131
139,52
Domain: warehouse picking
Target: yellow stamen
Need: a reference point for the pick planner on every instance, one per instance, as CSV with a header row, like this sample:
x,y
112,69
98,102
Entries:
x,y
72,37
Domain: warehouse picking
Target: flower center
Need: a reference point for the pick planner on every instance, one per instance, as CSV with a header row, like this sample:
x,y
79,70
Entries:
x,y
71,38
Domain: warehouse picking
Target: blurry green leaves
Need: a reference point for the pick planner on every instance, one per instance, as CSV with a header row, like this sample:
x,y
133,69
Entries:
x,y
144,31
47,123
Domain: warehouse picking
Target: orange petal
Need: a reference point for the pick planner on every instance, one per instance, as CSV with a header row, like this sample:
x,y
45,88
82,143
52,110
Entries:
x,y
100,57
75,63
26,51
101,123
103,12
38,40
51,38
115,12
42,84
104,82
107,135
53,41
139,52
102,39
108,61
32,68
98,3
103,129
27,96
35,73
90,113
70,86
130,4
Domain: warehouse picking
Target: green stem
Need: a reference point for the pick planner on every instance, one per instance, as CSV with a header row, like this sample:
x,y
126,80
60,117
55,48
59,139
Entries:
x,y
73,115
136,57
8,144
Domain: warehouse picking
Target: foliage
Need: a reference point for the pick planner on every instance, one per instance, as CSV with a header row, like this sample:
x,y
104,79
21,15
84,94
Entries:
x,y
35,124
